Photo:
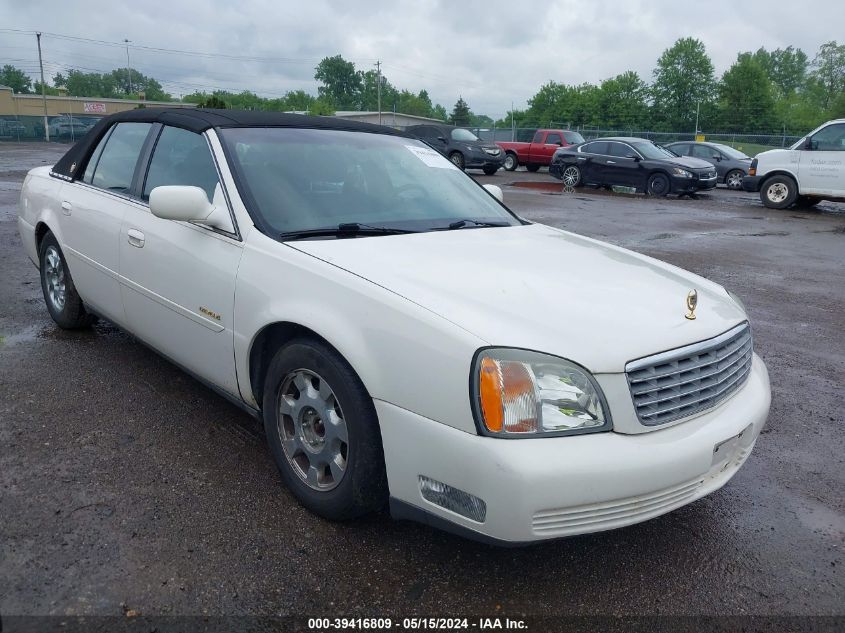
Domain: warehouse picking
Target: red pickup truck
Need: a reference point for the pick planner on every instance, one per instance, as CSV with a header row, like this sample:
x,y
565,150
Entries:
x,y
540,150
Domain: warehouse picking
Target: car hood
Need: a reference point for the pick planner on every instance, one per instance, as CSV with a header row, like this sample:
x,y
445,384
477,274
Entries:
x,y
540,288
691,163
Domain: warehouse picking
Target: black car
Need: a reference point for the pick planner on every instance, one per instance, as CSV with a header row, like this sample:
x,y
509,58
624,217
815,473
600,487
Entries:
x,y
461,146
731,164
631,162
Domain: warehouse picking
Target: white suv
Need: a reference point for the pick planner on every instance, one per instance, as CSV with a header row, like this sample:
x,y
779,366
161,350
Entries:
x,y
810,171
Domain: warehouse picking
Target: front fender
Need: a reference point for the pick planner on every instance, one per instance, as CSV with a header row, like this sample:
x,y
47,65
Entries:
x,y
403,353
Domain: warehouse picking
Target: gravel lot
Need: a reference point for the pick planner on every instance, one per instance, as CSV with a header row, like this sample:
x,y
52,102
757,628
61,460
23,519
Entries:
x,y
125,484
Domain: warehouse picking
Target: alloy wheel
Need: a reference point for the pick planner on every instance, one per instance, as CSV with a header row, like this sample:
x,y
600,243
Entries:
x,y
571,176
312,430
54,273
735,180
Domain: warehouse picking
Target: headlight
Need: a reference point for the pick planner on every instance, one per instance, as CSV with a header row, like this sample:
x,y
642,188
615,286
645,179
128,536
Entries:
x,y
683,173
518,393
737,299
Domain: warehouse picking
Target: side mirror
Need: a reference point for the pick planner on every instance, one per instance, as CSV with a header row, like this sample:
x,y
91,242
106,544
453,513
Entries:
x,y
187,204
495,191
717,157
442,139
808,144
633,157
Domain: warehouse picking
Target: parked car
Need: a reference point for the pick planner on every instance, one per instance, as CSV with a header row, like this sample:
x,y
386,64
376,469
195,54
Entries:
x,y
69,126
810,171
538,153
405,338
731,164
11,128
631,162
461,146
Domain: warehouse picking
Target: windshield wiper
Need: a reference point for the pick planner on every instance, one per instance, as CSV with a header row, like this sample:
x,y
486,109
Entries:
x,y
347,229
459,224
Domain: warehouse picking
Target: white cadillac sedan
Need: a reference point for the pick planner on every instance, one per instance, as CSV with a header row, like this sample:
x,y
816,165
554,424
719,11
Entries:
x,y
405,338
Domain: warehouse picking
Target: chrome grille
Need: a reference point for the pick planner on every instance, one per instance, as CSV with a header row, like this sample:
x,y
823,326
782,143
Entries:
x,y
691,379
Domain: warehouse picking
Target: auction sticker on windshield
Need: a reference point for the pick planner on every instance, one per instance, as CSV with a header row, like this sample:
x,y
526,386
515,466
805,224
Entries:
x,y
430,157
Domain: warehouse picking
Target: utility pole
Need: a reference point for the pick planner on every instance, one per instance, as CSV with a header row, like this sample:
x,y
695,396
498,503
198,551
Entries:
x,y
697,106
128,67
513,125
43,88
378,79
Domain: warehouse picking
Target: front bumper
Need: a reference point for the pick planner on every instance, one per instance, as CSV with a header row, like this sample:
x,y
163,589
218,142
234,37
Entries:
x,y
544,488
751,183
477,161
691,185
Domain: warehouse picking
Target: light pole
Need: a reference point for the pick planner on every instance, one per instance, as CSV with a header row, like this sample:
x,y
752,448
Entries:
x,y
128,67
697,106
378,88
43,89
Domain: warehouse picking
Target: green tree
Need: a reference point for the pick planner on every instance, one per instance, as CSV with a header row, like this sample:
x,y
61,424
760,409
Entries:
x,y
745,97
829,71
321,108
213,102
439,112
460,113
340,84
787,68
622,102
683,79
16,79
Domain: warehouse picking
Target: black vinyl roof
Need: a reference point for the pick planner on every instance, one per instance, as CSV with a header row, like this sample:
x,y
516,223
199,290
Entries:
x,y
70,166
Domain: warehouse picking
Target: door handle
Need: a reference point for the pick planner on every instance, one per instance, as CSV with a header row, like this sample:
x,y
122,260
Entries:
x,y
67,207
136,238
611,162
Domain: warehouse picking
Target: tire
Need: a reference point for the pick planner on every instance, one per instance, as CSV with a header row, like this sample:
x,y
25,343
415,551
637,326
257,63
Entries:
x,y
511,161
807,202
307,383
658,185
63,302
779,192
532,167
571,176
457,159
733,179
490,170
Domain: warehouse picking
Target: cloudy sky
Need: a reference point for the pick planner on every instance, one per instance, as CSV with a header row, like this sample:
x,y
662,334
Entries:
x,y
492,52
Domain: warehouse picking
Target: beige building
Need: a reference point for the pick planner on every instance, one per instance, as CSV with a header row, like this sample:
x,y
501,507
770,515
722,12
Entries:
x,y
20,105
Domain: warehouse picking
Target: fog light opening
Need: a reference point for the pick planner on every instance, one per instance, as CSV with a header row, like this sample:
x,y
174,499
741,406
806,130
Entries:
x,y
453,499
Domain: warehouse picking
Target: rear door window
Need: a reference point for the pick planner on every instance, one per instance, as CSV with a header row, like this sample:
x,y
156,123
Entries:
x,y
116,165
596,147
703,151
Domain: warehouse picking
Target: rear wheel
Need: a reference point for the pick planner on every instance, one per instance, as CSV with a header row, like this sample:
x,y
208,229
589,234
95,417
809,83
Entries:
x,y
63,302
490,170
532,167
323,431
571,176
658,185
511,161
779,192
458,159
733,179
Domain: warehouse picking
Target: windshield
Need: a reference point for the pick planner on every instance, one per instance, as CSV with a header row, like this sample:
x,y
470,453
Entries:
x,y
304,179
730,151
460,134
652,151
573,138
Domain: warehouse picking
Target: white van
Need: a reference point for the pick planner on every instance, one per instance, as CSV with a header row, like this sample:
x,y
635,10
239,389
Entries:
x,y
810,171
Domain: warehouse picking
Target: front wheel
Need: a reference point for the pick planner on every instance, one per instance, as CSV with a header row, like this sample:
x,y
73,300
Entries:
x,y
63,302
457,159
571,176
323,431
734,179
779,192
658,185
490,170
511,162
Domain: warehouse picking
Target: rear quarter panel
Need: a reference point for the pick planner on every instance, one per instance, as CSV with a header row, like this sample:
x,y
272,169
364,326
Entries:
x,y
39,204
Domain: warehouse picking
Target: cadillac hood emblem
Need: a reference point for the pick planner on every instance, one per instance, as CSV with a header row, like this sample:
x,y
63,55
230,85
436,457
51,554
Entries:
x,y
692,302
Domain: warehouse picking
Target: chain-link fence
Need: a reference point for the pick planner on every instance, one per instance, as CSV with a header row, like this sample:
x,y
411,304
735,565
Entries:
x,y
749,143
64,128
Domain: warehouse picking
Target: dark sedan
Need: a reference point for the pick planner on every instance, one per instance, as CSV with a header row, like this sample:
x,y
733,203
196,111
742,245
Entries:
x,y
731,164
631,162
461,146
